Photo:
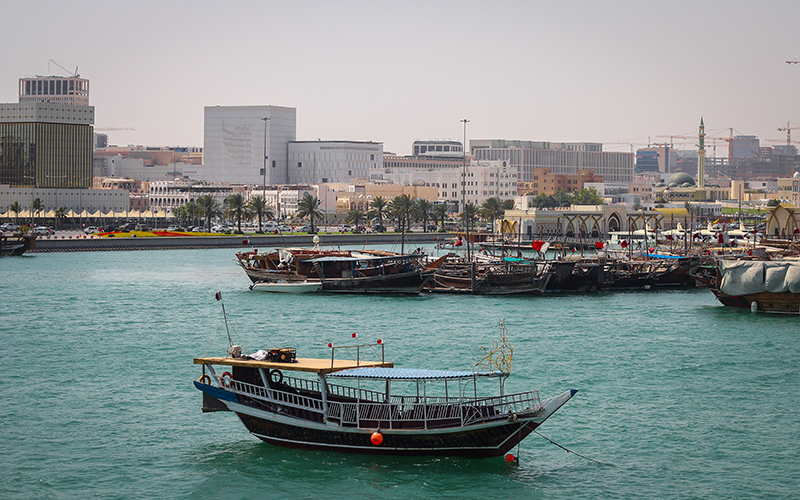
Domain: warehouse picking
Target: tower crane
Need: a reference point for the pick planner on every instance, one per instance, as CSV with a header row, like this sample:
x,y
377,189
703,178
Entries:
x,y
788,129
74,75
728,140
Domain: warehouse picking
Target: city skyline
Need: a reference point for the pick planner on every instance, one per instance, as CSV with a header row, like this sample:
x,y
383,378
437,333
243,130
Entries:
x,y
626,74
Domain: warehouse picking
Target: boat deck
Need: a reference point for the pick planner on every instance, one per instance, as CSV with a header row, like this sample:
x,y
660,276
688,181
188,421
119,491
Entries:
x,y
302,365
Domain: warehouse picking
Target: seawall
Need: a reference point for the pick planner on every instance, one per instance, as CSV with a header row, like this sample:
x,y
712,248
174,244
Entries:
x,y
55,244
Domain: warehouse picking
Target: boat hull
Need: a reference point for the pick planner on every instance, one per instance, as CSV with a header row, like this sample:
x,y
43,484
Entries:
x,y
288,287
277,425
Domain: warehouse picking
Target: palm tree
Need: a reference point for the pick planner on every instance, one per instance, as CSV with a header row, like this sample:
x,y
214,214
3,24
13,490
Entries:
x,y
309,207
61,213
492,209
355,217
234,207
422,210
36,207
470,210
15,207
401,207
379,205
193,212
209,207
262,210
440,214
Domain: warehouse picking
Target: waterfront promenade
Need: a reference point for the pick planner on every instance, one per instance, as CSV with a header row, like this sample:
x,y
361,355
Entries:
x,y
73,243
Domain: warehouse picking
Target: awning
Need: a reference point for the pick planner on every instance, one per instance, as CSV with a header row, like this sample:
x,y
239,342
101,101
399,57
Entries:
x,y
409,374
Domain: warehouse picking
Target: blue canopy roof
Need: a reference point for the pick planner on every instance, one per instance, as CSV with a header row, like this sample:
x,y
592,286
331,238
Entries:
x,y
409,374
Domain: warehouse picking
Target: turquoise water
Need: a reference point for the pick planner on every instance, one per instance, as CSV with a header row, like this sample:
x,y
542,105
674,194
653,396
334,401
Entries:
x,y
681,397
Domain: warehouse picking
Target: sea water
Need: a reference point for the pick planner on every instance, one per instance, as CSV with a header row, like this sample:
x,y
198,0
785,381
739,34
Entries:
x,y
679,397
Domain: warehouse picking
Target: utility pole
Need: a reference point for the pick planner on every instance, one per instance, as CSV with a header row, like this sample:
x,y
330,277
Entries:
x,y
464,185
264,170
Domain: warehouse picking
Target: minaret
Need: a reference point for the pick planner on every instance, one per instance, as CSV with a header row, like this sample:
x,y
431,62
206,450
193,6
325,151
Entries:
x,y
701,156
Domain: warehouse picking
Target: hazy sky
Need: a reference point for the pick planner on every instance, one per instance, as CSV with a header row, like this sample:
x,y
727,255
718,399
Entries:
x,y
617,72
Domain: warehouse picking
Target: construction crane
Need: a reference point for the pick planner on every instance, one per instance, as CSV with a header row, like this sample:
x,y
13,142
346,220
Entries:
x,y
728,140
74,75
112,129
788,129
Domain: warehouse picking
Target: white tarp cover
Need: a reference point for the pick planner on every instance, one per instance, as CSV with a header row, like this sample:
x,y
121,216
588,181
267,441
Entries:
x,y
747,277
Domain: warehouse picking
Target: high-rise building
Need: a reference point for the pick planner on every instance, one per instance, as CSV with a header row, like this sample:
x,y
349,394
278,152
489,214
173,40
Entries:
x,y
559,157
240,141
55,89
46,145
313,162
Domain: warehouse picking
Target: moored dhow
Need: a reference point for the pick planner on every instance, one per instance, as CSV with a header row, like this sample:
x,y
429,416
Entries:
x,y
360,403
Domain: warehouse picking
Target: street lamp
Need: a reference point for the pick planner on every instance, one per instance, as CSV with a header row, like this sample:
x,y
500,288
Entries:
x,y
464,183
264,170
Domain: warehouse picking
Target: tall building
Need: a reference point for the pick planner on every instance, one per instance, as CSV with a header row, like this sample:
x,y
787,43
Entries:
x,y
46,145
314,162
240,141
559,157
55,89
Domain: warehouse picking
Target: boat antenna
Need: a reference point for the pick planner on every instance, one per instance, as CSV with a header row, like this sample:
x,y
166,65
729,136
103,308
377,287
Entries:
x,y
218,296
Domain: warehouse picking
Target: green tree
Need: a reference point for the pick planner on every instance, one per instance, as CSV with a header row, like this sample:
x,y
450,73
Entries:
x,y
61,213
209,207
422,211
235,207
16,208
36,207
587,196
439,213
378,207
773,203
261,209
355,216
309,207
492,209
401,208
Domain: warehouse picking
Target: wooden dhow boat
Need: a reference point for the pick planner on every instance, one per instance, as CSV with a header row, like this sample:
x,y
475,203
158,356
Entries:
x,y
762,286
343,271
360,403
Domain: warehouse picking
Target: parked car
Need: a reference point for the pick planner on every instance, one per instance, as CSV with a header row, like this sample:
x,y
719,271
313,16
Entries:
x,y
91,230
284,228
308,229
379,228
44,231
9,227
345,227
221,229
172,229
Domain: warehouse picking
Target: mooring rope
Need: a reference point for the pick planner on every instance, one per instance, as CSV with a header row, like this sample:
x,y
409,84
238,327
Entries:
x,y
570,451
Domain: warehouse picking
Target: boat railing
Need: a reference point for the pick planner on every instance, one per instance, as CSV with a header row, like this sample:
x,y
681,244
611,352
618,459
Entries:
x,y
431,412
344,391
293,399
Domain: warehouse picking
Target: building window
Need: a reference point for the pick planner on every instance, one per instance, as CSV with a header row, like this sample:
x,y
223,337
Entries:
x,y
299,164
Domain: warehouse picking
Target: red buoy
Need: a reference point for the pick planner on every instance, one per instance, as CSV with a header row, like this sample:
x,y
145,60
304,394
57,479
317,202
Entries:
x,y
376,438
510,458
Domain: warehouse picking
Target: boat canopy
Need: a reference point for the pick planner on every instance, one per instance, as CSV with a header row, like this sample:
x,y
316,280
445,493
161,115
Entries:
x,y
410,374
354,258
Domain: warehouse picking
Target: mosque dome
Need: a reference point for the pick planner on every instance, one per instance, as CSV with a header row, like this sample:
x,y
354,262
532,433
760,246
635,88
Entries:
x,y
680,179
796,175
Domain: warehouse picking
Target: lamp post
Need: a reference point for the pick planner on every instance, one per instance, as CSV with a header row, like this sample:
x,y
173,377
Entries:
x,y
56,205
264,170
464,184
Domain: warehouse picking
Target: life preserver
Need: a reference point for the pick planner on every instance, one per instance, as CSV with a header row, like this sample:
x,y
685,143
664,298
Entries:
x,y
276,377
205,379
226,382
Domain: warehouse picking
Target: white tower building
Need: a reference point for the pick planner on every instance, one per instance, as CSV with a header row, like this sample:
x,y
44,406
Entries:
x,y
239,141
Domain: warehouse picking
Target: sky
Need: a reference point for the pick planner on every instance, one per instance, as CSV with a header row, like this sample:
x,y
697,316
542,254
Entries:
x,y
624,73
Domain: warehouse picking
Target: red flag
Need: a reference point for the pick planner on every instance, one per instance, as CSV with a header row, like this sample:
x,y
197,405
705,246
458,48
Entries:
x,y
355,335
599,244
624,244
459,242
218,295
537,245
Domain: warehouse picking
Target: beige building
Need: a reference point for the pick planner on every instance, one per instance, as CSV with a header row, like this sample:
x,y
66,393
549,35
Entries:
x,y
581,220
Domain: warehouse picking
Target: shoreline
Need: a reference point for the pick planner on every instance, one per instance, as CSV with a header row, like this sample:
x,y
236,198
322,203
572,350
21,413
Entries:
x,y
54,244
